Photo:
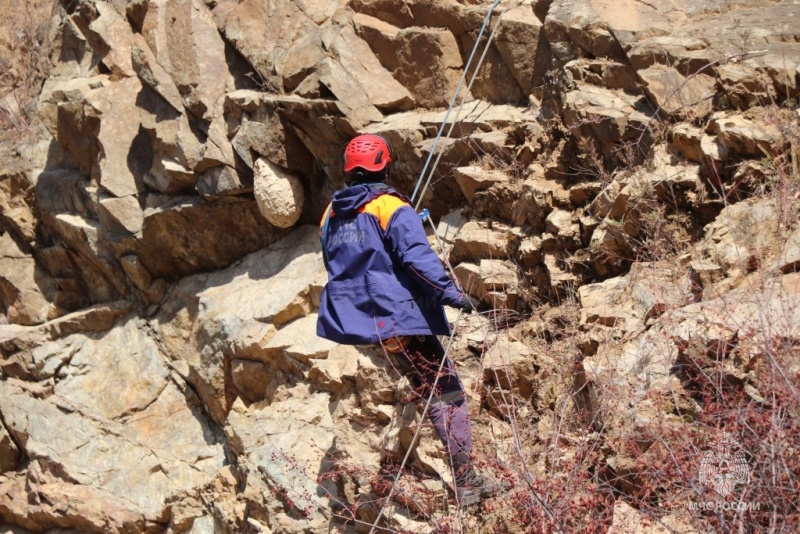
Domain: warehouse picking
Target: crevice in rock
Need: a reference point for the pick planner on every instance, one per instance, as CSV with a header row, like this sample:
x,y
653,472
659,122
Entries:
x,y
21,451
244,74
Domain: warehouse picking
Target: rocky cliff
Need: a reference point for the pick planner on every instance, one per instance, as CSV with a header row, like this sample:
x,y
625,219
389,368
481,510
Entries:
x,y
619,193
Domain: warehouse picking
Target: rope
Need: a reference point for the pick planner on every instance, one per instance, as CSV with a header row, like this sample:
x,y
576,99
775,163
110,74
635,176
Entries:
x,y
463,101
453,101
441,245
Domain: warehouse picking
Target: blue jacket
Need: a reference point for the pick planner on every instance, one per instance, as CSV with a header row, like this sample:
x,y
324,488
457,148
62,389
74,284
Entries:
x,y
384,280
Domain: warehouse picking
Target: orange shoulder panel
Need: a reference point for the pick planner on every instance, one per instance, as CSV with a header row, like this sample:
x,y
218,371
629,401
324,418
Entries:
x,y
325,214
383,208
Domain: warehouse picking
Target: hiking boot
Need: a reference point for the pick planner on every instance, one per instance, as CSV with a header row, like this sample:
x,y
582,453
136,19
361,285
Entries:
x,y
471,488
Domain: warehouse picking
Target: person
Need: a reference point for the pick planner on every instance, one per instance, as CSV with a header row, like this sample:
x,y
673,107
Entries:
x,y
386,287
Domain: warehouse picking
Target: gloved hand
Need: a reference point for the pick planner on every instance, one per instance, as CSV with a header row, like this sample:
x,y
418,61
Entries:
x,y
464,304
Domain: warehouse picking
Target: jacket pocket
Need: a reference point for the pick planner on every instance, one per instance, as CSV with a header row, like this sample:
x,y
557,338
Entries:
x,y
387,294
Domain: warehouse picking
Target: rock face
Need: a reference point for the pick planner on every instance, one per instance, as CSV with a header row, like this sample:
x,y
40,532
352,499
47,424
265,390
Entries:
x,y
233,314
112,395
618,196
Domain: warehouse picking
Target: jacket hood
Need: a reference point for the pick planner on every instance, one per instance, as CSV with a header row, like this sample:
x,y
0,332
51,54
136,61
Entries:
x,y
346,201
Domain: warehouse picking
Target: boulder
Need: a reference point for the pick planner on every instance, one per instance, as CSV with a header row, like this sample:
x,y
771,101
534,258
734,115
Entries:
x,y
109,35
220,181
264,33
182,146
431,77
517,41
258,126
124,154
121,215
472,179
279,194
381,37
352,99
488,277
153,74
301,61
294,133
185,41
354,57
188,235
477,240
742,136
25,291
742,237
98,125
604,73
686,141
675,96
509,365
607,118
18,200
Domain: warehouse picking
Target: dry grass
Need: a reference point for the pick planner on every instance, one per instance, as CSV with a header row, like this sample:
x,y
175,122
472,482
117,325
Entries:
x,y
24,65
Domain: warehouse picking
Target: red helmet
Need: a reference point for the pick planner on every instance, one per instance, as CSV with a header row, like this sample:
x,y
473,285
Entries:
x,y
370,152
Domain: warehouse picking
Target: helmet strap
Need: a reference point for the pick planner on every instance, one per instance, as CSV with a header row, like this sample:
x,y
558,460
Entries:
x,y
360,176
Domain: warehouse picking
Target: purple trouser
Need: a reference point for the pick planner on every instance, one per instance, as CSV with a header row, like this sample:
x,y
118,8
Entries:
x,y
448,412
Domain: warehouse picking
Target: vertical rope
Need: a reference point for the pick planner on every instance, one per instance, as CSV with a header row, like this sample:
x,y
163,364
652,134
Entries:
x,y
455,97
